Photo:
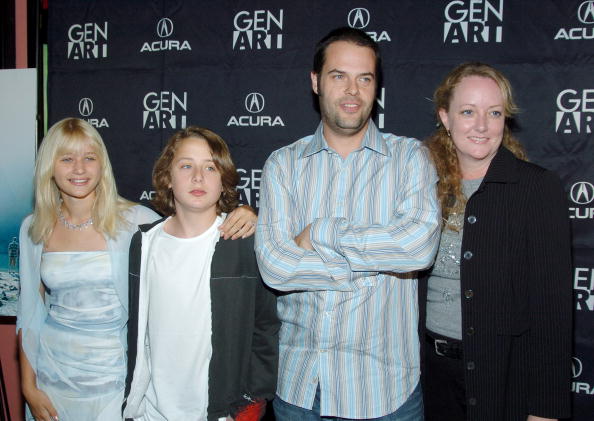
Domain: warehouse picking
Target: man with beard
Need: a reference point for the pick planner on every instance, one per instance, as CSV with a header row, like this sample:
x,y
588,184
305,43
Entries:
x,y
346,217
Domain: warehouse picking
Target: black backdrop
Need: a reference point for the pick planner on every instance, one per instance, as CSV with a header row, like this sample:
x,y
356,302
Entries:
x,y
138,70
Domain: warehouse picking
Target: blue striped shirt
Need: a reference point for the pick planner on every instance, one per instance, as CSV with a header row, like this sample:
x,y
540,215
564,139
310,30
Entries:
x,y
349,315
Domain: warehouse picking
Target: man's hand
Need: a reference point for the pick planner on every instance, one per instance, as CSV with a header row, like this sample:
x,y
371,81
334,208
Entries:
x,y
241,223
535,418
303,241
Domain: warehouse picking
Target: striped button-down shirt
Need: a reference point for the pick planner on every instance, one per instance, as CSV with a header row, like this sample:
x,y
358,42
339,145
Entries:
x,y
349,308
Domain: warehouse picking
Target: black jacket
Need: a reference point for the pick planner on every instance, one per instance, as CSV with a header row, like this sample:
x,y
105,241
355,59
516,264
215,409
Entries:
x,y
245,327
516,290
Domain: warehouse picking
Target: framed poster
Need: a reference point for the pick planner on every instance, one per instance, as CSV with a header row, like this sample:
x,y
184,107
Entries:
x,y
18,144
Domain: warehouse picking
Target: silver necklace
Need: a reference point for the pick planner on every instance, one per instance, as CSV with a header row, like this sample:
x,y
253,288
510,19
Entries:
x,y
71,226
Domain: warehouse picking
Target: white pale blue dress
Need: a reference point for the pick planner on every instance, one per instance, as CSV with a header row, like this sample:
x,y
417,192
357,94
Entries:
x,y
75,340
81,364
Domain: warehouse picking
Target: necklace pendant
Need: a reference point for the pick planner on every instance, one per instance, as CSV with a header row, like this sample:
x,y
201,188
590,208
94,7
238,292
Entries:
x,y
71,226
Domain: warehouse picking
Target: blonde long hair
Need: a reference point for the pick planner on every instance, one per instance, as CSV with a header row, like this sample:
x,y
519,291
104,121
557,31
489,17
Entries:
x,y
67,135
441,146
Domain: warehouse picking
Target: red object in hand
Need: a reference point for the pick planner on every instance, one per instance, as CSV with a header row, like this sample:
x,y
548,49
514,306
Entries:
x,y
252,412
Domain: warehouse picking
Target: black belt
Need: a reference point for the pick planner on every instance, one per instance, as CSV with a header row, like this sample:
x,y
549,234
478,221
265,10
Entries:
x,y
451,348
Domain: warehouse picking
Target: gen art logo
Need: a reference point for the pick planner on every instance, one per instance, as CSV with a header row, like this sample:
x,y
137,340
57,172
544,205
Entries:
x,y
249,186
254,104
85,109
583,289
359,18
87,41
381,107
165,110
473,21
585,29
258,30
575,111
164,31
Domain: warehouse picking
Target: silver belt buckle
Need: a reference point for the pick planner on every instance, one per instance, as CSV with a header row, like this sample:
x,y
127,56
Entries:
x,y
439,341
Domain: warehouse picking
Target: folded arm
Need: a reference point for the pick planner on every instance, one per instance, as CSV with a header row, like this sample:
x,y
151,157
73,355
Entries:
x,y
344,252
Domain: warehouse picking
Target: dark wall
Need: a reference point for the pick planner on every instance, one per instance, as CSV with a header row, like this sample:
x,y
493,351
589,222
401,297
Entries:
x,y
138,70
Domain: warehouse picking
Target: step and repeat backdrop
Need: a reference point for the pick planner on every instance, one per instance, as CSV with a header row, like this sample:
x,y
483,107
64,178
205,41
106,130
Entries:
x,y
139,70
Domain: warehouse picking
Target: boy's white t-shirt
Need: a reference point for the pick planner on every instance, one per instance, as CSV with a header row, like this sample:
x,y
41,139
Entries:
x,y
180,325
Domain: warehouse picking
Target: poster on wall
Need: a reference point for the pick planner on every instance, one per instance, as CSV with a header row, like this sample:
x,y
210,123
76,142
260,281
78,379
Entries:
x,y
18,107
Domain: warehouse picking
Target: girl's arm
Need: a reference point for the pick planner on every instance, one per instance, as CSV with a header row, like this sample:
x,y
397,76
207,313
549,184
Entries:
x,y
240,223
40,405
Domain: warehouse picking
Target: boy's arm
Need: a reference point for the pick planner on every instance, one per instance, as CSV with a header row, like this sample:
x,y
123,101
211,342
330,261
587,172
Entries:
x,y
260,385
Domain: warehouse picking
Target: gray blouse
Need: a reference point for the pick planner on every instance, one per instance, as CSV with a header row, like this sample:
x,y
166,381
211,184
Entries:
x,y
444,312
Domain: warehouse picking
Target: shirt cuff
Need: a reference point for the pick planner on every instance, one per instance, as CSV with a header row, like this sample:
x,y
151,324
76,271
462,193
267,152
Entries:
x,y
325,238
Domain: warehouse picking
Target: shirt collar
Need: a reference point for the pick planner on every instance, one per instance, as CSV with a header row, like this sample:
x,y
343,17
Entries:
x,y
372,140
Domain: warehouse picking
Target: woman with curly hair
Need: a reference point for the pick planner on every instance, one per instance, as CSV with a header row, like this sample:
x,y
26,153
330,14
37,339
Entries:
x,y
498,298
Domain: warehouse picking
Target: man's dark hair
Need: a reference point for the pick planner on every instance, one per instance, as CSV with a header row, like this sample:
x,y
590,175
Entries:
x,y
355,36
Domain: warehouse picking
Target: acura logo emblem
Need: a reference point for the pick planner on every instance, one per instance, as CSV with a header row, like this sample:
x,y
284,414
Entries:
x,y
586,12
576,367
254,102
85,107
358,18
164,27
582,192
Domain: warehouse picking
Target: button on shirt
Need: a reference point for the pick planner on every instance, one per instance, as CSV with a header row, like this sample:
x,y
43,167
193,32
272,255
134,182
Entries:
x,y
349,318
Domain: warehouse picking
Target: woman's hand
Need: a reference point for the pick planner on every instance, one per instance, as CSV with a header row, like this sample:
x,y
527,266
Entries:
x,y
535,418
40,405
240,223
